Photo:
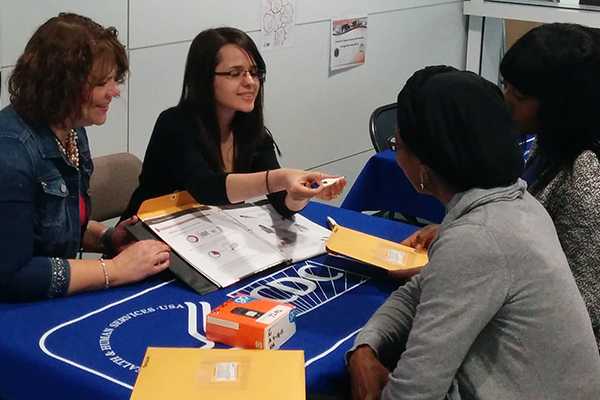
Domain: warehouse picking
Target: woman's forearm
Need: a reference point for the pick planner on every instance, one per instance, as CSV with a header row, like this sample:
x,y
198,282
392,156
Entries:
x,y
89,275
241,187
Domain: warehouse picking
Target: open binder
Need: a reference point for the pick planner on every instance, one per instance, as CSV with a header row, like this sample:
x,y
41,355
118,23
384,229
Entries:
x,y
375,251
226,244
178,266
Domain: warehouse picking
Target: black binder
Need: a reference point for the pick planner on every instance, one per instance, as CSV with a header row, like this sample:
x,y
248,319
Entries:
x,y
178,265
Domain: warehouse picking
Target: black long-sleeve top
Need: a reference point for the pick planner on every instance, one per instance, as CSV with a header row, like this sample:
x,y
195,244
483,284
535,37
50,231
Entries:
x,y
176,160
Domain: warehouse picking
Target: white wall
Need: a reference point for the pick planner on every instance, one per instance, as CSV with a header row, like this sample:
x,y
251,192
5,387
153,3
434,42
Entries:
x,y
20,18
318,119
4,73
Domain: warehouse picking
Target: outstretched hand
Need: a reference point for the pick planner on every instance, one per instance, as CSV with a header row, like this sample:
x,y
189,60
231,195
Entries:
x,y
303,185
332,191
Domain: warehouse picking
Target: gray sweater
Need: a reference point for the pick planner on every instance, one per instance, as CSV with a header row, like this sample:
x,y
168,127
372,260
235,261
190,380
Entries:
x,y
572,199
496,310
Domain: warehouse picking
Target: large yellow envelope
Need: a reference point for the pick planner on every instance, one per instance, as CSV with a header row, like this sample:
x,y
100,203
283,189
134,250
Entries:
x,y
190,373
375,251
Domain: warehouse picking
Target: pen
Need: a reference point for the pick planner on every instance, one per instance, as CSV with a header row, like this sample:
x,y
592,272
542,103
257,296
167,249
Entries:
x,y
331,222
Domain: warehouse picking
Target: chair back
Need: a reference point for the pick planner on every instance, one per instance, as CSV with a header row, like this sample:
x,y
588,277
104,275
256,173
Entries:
x,y
527,143
382,126
114,179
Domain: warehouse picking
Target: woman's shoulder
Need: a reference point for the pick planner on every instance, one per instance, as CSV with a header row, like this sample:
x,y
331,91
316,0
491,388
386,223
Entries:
x,y
13,126
19,140
576,188
587,165
174,120
265,138
583,176
174,114
19,156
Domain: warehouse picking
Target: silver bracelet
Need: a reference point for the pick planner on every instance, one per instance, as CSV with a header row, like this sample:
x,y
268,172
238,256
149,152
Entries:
x,y
105,271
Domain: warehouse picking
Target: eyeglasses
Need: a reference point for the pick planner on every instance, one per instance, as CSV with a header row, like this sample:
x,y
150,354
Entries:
x,y
239,73
391,143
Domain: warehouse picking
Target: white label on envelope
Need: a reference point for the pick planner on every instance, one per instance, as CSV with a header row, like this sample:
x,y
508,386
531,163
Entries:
x,y
395,256
226,371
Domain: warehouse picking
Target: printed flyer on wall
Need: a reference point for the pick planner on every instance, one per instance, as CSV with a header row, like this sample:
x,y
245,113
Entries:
x,y
278,19
348,42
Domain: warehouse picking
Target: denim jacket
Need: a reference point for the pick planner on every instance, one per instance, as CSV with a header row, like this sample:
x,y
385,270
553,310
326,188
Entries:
x,y
39,209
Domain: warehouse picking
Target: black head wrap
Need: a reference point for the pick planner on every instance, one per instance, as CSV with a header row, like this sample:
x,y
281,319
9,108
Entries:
x,y
457,123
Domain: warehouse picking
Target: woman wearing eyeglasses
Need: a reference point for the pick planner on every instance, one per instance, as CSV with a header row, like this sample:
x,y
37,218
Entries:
x,y
214,143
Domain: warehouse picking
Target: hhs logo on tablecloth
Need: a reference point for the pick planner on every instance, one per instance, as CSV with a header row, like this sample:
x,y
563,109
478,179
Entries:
x,y
306,285
127,326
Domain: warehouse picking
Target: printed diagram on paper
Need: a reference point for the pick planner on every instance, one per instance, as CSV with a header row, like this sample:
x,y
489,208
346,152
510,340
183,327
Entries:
x,y
278,19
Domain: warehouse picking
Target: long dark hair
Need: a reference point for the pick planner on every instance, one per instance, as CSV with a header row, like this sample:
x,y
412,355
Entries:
x,y
48,83
558,64
458,124
198,97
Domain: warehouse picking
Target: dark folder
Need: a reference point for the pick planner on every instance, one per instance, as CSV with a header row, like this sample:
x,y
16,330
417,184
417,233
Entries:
x,y
178,265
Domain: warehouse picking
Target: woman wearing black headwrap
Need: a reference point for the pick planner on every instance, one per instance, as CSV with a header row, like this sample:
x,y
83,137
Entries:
x,y
496,313
552,86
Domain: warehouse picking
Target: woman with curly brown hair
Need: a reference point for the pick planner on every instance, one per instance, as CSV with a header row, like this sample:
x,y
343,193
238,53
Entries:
x,y
64,81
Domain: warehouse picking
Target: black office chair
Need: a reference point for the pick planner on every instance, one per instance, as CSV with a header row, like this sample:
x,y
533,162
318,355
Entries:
x,y
382,126
382,129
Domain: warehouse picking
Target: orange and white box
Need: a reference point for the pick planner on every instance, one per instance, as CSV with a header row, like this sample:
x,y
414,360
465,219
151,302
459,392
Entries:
x,y
251,323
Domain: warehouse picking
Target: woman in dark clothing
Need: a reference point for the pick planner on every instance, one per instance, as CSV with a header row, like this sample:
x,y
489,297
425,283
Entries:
x,y
214,143
65,80
553,88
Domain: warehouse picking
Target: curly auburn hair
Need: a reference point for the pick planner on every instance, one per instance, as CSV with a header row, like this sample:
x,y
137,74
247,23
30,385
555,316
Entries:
x,y
66,57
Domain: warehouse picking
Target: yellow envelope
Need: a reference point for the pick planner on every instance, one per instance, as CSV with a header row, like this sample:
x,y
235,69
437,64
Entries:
x,y
167,205
190,373
374,250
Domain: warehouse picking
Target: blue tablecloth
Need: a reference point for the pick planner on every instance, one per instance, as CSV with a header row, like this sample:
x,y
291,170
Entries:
x,y
382,186
90,345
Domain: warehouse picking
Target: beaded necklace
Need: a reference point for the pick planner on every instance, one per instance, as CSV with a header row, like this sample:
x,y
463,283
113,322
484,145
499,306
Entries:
x,y
71,150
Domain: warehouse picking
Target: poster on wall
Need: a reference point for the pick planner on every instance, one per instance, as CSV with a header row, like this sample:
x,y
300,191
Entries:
x,y
348,42
278,19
